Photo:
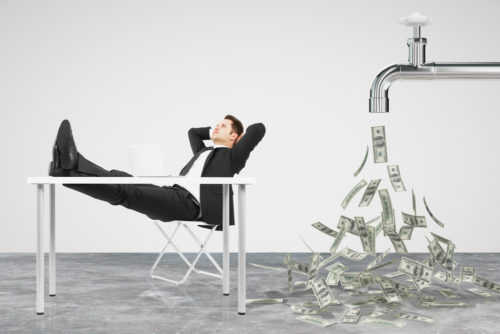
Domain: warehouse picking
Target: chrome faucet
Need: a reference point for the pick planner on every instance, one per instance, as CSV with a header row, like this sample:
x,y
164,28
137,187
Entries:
x,y
418,69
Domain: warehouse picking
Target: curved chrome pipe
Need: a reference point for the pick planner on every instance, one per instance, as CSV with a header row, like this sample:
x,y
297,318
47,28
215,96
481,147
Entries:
x,y
379,93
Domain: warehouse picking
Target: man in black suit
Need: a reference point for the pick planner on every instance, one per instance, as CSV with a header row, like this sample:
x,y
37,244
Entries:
x,y
226,158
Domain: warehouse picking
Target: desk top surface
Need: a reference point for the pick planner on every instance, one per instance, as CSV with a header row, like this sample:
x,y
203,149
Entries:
x,y
141,180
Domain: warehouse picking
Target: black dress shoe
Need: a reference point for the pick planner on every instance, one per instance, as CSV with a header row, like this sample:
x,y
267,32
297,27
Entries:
x,y
57,171
65,154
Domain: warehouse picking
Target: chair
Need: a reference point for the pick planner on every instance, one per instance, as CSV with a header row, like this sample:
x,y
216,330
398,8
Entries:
x,y
191,265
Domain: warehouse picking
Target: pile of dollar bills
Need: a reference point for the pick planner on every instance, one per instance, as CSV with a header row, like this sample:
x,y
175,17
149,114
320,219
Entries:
x,y
380,289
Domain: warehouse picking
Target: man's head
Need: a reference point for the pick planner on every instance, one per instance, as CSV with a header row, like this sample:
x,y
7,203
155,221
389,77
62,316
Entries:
x,y
227,131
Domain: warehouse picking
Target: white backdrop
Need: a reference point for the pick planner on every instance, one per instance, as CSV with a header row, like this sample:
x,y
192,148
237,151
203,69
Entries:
x,y
132,72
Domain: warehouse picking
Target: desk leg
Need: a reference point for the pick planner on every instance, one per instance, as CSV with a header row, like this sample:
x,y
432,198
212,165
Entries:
x,y
52,252
241,251
225,245
39,255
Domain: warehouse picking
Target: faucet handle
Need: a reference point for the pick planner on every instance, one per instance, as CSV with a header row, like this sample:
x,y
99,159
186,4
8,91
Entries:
x,y
416,20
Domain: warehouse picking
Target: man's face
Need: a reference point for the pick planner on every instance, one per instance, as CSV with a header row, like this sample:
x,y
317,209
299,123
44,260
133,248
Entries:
x,y
223,132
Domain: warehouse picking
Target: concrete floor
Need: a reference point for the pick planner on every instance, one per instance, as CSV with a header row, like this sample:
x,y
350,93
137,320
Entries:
x,y
113,293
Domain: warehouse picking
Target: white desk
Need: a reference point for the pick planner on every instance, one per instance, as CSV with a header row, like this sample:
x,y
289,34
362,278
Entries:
x,y
224,181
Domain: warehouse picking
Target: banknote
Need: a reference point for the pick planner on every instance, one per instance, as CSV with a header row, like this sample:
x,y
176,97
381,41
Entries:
x,y
334,272
379,144
378,259
313,270
447,304
351,316
370,192
363,234
448,293
366,279
389,291
362,163
336,267
323,293
415,221
382,265
352,254
426,300
395,177
383,322
365,292
414,202
405,232
415,269
372,236
305,310
420,284
295,265
266,301
353,193
432,216
483,282
394,274
325,229
332,278
412,316
289,273
479,292
316,321
468,274
350,223
398,244
338,239
329,259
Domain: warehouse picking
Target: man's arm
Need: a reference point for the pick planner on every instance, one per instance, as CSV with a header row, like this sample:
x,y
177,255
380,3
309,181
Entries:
x,y
246,144
196,138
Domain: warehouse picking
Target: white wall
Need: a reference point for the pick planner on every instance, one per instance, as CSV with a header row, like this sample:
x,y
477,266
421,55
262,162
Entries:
x,y
129,72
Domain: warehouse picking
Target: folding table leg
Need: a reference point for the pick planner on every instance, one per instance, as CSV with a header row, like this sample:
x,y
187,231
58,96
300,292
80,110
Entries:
x,y
52,251
225,245
241,251
39,255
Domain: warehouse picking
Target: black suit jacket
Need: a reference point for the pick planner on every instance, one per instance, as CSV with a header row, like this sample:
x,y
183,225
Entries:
x,y
221,162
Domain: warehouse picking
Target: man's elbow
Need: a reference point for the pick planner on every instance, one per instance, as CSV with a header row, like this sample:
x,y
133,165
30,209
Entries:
x,y
258,128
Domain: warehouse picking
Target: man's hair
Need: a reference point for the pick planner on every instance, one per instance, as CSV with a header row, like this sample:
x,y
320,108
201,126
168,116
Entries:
x,y
236,125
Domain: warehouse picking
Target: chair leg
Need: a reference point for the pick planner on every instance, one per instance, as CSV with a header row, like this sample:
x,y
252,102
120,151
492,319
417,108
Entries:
x,y
191,265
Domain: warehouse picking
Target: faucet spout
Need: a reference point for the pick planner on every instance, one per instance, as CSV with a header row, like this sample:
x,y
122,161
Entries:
x,y
379,93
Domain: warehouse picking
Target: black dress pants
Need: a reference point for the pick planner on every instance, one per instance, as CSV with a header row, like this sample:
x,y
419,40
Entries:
x,y
159,203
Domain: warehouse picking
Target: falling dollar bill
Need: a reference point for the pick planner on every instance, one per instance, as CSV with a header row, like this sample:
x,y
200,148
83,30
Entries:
x,y
405,232
414,202
313,270
370,192
289,273
352,193
468,274
338,239
479,292
394,274
352,254
323,293
374,220
378,259
337,267
325,229
348,277
425,301
383,322
415,269
266,301
363,234
448,293
420,284
415,221
389,291
316,321
351,316
432,216
398,244
379,144
395,177
487,284
362,164
414,317
388,219
351,225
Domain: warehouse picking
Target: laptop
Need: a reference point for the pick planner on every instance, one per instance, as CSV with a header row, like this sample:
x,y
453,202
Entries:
x,y
146,160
